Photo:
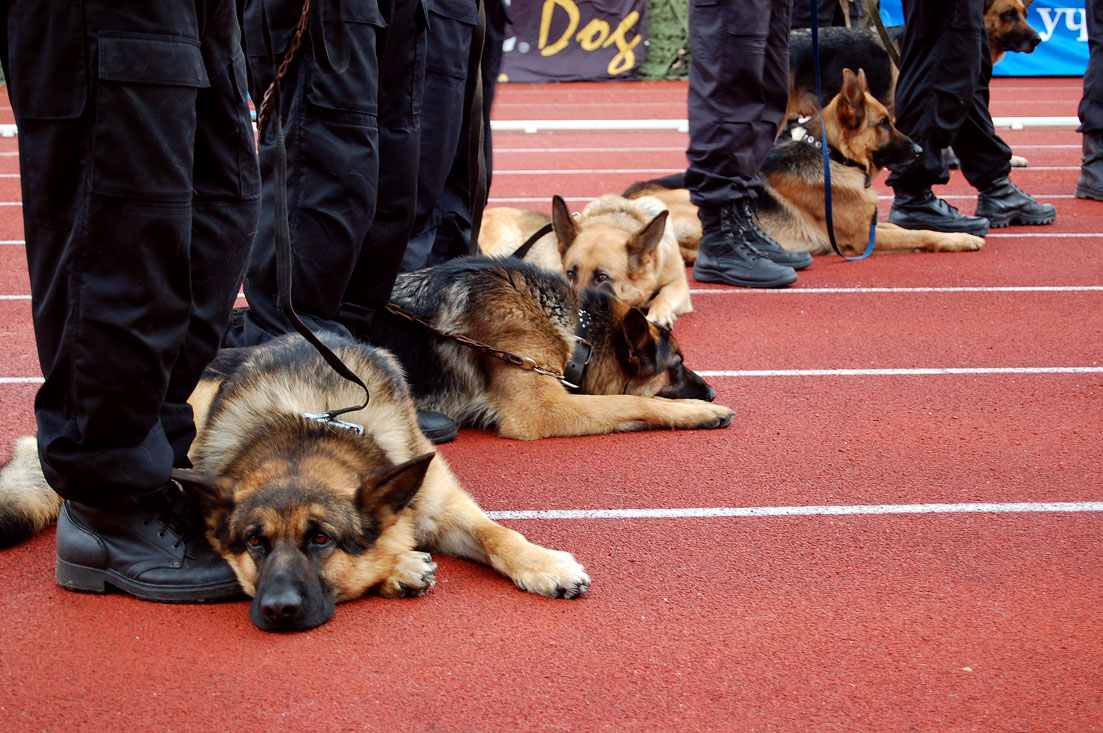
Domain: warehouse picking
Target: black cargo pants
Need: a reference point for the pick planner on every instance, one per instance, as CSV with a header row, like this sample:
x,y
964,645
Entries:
x,y
352,159
140,195
942,95
738,90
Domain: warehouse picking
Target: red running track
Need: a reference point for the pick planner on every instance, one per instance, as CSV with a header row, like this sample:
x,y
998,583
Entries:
x,y
850,392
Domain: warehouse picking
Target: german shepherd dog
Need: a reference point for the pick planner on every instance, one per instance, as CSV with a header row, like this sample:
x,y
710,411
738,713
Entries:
x,y
635,378
790,207
614,242
1005,22
311,511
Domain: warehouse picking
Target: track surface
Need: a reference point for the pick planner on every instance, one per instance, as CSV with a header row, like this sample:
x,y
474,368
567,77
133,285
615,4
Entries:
x,y
970,381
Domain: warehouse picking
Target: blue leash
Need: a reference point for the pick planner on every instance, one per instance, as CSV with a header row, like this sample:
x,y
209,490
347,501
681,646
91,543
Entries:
x,y
826,155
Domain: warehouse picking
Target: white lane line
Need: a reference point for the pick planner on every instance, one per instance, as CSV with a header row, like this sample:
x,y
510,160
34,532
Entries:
x,y
21,380
861,291
682,125
897,372
803,511
13,241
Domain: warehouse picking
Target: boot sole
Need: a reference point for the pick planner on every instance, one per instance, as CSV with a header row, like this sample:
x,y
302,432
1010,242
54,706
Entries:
x,y
708,276
84,579
976,231
1021,220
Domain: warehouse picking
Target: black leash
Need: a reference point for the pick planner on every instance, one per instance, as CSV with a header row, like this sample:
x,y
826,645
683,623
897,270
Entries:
x,y
281,231
886,39
523,250
814,12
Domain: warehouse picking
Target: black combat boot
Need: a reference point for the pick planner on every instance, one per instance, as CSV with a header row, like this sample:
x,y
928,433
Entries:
x,y
734,251
1004,204
1090,184
153,548
921,209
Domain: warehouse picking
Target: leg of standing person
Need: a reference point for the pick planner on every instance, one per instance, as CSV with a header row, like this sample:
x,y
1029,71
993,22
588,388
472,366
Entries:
x,y
986,163
331,125
738,89
140,199
1090,183
939,74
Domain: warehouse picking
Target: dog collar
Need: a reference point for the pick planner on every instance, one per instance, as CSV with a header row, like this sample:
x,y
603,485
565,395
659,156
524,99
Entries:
x,y
836,156
576,366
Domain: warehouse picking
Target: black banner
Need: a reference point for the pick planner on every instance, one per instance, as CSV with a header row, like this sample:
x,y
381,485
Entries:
x,y
574,40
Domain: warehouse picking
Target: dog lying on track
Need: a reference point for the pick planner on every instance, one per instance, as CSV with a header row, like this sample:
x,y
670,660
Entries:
x,y
617,243
635,378
790,207
310,512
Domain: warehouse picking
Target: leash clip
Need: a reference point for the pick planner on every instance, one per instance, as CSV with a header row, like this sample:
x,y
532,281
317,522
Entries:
x,y
327,419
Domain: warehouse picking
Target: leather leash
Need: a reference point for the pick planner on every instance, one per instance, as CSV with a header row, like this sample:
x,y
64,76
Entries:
x,y
523,250
281,231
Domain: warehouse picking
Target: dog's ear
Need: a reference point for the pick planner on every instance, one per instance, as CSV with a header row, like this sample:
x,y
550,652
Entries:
x,y
563,224
646,240
638,342
213,496
852,98
384,494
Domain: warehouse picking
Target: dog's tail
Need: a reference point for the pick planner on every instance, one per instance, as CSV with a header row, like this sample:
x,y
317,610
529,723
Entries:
x,y
677,180
27,503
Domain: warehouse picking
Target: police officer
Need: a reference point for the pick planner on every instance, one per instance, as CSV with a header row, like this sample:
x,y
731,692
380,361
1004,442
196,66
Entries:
x,y
941,101
140,198
738,90
1090,183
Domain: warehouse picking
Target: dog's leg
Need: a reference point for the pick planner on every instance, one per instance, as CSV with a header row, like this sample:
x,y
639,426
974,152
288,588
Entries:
x,y
891,238
671,302
449,521
532,406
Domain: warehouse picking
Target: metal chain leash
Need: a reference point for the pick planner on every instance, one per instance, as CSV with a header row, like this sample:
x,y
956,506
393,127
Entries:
x,y
522,362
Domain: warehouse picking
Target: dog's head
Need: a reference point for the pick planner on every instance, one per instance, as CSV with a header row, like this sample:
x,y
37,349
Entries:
x,y
1007,27
634,356
860,127
307,530
611,249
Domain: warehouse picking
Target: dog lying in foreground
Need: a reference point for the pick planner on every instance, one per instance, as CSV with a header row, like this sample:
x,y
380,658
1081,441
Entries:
x,y
633,379
617,243
311,512
790,208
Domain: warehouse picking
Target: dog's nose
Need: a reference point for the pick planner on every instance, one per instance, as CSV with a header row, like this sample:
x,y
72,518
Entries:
x,y
282,605
711,394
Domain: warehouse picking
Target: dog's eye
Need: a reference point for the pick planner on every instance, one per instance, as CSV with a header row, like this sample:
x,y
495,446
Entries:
x,y
600,277
572,274
255,542
321,539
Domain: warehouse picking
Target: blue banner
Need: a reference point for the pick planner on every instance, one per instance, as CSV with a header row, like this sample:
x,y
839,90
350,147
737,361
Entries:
x,y
1063,51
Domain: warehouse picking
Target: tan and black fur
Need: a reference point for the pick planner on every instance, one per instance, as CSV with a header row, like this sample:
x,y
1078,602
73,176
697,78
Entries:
x,y
310,513
635,380
614,242
790,207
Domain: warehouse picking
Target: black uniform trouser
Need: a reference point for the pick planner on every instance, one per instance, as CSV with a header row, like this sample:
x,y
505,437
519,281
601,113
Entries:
x,y
1091,103
352,141
442,221
738,90
942,95
140,193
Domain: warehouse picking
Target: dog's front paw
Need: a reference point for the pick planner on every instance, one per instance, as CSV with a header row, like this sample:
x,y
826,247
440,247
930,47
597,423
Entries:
x,y
661,317
554,574
705,415
413,575
961,242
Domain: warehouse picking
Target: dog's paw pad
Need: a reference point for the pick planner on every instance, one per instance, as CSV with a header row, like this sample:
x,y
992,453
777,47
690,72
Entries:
x,y
414,574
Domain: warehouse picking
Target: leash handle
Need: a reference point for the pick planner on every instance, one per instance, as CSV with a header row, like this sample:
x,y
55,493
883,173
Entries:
x,y
282,235
814,13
